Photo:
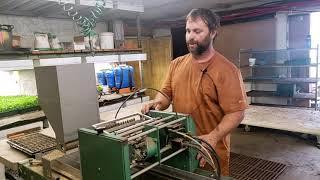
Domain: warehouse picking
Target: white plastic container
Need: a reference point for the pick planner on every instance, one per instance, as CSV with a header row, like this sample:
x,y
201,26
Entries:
x,y
41,41
252,61
106,40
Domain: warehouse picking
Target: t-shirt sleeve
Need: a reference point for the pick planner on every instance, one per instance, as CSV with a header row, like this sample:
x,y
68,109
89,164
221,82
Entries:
x,y
231,91
166,85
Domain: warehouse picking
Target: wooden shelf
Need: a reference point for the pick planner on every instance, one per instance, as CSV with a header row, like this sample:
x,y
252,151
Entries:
x,y
256,93
19,54
276,80
26,59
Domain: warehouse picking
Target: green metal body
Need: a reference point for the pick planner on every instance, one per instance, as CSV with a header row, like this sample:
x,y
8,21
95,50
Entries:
x,y
106,156
103,156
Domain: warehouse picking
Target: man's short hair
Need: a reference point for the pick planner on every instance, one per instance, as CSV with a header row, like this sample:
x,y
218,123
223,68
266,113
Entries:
x,y
210,18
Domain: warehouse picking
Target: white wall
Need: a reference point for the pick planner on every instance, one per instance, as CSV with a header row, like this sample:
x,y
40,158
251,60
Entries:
x,y
27,82
18,83
9,83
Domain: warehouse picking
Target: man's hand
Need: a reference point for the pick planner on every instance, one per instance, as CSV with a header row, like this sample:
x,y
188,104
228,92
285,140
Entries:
x,y
212,141
153,105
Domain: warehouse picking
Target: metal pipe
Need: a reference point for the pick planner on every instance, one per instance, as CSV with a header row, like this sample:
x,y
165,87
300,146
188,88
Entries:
x,y
139,30
144,170
115,120
133,126
127,132
154,129
166,148
173,154
164,119
131,131
172,122
133,165
157,163
141,72
142,134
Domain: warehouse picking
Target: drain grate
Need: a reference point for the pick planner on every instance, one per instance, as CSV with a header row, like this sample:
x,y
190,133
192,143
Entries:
x,y
249,168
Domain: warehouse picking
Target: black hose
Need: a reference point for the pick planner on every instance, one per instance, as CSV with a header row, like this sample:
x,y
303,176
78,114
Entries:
x,y
126,101
209,148
198,148
137,90
213,153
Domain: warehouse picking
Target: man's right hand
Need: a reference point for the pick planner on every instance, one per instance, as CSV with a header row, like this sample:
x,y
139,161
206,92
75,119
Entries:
x,y
153,105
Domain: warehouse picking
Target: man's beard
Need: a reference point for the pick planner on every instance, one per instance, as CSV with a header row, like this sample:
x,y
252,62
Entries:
x,y
201,47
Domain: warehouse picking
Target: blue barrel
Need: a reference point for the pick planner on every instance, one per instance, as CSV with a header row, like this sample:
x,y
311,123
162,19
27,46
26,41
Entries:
x,y
109,74
131,76
118,77
101,78
125,77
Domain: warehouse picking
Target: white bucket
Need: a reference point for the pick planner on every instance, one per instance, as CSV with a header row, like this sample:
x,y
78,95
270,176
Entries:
x,y
106,40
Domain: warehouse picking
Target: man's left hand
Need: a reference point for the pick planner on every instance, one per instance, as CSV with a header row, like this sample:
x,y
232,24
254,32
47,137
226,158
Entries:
x,y
212,141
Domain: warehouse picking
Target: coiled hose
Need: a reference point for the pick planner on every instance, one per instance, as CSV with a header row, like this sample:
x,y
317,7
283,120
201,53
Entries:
x,y
87,24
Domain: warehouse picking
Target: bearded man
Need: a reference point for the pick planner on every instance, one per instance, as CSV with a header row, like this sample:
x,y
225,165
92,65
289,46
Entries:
x,y
205,85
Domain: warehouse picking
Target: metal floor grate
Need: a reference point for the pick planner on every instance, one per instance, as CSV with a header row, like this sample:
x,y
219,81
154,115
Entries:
x,y
249,168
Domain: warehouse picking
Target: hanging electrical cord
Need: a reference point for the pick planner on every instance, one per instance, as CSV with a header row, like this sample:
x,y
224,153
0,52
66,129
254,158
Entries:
x,y
87,24
138,90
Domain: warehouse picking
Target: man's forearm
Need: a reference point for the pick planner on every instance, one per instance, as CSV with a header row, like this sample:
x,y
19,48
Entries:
x,y
228,123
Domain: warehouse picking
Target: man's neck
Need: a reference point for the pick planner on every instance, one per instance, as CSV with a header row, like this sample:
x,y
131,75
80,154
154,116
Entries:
x,y
205,56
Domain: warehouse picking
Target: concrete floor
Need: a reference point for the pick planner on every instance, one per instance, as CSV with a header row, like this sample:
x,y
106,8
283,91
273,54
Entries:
x,y
302,157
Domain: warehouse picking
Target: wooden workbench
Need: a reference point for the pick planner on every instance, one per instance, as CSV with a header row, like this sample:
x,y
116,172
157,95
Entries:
x,y
301,120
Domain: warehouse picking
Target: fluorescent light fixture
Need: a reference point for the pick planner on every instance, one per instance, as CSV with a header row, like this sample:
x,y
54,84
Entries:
x,y
108,3
133,57
65,1
103,59
130,5
12,65
56,61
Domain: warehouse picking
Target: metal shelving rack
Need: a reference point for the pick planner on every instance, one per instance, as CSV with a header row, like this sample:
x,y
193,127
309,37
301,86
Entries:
x,y
279,67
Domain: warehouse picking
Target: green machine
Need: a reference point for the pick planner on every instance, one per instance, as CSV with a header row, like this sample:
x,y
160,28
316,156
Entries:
x,y
157,146
160,145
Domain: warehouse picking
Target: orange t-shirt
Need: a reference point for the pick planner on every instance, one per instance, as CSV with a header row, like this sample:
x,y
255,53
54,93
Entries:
x,y
207,91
